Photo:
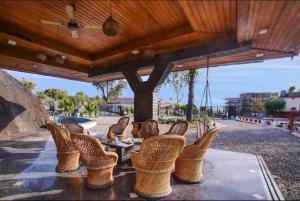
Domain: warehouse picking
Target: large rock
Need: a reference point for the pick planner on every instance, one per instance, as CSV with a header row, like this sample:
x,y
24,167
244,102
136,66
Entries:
x,y
20,109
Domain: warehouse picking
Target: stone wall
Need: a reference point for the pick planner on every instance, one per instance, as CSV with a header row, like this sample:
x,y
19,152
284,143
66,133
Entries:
x,y
20,109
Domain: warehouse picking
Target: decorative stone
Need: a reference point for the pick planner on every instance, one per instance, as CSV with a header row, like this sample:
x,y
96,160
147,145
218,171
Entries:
x,y
20,109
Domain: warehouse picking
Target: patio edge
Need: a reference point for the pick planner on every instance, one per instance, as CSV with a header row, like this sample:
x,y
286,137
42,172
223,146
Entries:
x,y
271,184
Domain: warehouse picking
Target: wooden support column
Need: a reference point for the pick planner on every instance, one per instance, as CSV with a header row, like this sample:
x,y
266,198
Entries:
x,y
145,100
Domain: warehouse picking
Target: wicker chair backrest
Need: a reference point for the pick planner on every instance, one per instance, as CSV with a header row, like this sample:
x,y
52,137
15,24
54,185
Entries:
x,y
178,128
91,150
148,129
122,124
72,125
162,148
200,129
61,139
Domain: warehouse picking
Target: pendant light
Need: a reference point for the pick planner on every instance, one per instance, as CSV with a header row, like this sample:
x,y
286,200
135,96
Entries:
x,y
110,27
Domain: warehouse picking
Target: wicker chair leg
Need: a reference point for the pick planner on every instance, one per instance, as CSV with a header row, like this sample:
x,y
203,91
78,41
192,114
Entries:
x,y
99,178
153,185
68,162
189,171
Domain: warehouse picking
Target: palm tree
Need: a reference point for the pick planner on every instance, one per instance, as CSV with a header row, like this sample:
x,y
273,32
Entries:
x,y
91,106
67,104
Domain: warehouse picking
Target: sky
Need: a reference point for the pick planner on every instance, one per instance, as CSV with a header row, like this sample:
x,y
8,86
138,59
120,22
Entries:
x,y
225,81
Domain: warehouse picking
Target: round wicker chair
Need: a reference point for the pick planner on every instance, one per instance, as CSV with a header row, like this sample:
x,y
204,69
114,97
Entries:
x,y
67,154
188,166
98,162
118,129
72,126
154,164
145,129
178,128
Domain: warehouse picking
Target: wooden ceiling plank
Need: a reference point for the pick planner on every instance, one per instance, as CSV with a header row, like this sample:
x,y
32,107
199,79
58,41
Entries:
x,y
292,18
243,17
185,5
142,42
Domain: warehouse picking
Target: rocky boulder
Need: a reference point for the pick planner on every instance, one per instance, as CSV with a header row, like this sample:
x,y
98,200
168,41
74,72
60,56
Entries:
x,y
20,109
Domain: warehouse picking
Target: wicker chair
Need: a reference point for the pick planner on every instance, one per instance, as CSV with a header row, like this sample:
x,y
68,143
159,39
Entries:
x,y
98,162
72,126
178,128
188,166
154,164
147,129
67,154
118,129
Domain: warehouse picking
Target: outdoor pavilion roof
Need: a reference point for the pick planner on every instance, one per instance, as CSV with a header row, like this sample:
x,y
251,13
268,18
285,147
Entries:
x,y
271,28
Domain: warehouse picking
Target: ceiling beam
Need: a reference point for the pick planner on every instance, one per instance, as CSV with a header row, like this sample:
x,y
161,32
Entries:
x,y
215,49
30,55
34,38
20,65
142,42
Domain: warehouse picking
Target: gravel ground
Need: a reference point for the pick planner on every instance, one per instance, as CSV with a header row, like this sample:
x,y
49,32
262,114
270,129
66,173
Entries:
x,y
280,150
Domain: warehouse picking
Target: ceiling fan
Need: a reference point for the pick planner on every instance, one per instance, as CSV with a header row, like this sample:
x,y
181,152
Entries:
x,y
72,25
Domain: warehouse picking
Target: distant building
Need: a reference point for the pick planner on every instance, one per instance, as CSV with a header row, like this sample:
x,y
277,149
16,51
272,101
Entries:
x,y
232,106
249,100
118,105
163,107
292,101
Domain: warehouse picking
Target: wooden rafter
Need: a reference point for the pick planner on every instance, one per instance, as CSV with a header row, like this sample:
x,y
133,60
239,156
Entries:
x,y
29,55
216,49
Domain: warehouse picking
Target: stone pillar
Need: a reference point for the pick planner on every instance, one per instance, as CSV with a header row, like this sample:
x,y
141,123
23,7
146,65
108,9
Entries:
x,y
145,92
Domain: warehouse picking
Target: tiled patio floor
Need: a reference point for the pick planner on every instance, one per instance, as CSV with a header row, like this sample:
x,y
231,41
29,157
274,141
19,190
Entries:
x,y
27,171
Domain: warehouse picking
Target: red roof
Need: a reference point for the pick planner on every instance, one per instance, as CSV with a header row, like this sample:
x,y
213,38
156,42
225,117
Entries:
x,y
122,101
163,104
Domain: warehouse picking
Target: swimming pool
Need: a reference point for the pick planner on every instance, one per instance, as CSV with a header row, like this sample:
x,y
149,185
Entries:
x,y
85,123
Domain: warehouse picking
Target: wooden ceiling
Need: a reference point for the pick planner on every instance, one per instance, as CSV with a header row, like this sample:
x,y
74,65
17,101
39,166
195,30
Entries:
x,y
166,25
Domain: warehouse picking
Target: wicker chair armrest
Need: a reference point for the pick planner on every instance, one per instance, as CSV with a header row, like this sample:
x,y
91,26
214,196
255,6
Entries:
x,y
192,152
134,155
111,131
112,155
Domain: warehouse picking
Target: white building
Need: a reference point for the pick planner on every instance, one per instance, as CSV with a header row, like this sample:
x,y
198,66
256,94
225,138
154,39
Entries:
x,y
292,101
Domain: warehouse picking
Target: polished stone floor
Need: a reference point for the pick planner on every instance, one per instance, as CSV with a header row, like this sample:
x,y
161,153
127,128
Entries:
x,y
27,171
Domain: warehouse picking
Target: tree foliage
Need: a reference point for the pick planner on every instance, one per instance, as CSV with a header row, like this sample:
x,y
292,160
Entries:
x,y
28,84
110,90
67,104
56,94
291,89
273,105
258,106
80,99
91,106
177,82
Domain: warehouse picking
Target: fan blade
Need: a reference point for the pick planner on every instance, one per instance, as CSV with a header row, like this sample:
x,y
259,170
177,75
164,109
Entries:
x,y
97,27
74,34
70,11
50,22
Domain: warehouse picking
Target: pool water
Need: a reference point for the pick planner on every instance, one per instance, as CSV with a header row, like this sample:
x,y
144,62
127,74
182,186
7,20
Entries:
x,y
79,120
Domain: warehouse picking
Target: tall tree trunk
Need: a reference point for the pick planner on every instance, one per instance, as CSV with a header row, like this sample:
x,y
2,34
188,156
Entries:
x,y
189,112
